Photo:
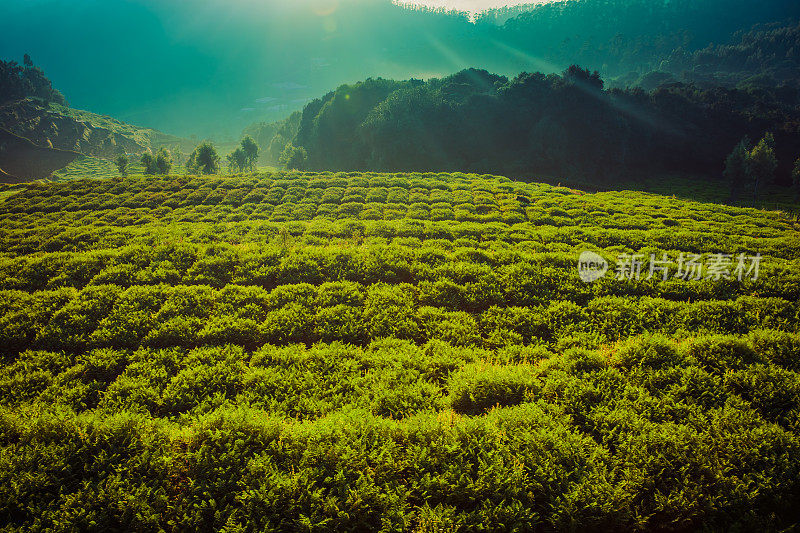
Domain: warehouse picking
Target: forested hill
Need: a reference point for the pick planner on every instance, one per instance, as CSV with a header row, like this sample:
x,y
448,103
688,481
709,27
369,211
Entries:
x,y
620,36
270,58
766,55
27,80
565,125
40,134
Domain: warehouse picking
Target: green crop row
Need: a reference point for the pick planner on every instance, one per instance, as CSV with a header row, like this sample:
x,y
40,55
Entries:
x,y
96,231
167,315
708,426
477,194
405,352
498,273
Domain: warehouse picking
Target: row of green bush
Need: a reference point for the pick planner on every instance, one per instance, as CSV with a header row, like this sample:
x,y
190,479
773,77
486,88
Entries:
x,y
650,435
396,378
61,231
164,315
183,192
618,209
63,236
500,273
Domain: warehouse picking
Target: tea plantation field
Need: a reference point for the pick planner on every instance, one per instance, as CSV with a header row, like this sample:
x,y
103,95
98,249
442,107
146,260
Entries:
x,y
402,352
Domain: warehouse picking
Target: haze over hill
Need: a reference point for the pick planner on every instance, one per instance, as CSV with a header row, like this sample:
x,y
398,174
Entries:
x,y
213,67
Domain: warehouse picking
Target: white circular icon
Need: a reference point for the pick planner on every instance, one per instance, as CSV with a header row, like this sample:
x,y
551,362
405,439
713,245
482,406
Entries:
x,y
591,266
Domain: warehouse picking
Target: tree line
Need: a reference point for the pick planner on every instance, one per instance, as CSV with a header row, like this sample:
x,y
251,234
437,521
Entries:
x,y
204,159
566,126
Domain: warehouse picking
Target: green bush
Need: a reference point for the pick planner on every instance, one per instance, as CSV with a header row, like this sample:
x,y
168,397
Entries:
x,y
71,326
777,347
63,471
721,353
650,351
389,312
133,315
477,387
367,352
772,391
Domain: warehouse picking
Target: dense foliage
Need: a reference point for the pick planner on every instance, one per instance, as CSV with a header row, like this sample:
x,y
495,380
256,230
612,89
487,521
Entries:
x,y
562,126
26,80
331,351
765,56
204,159
620,36
245,156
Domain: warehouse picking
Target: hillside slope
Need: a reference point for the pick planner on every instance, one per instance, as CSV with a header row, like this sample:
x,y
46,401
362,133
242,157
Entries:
x,y
22,160
45,131
53,126
365,352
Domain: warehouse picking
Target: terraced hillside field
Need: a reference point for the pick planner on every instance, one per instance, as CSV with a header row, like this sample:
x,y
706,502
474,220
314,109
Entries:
x,y
407,352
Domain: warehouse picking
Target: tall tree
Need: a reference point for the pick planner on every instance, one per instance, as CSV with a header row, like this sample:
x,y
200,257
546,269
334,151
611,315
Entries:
x,y
17,82
294,157
583,78
736,168
204,159
796,180
762,163
163,161
149,163
122,164
250,151
237,160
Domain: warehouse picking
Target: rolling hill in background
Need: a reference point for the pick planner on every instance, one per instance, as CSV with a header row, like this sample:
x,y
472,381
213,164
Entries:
x,y
212,67
40,134
566,126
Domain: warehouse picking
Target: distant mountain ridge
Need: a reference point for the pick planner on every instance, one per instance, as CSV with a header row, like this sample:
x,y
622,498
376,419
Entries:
x,y
210,67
